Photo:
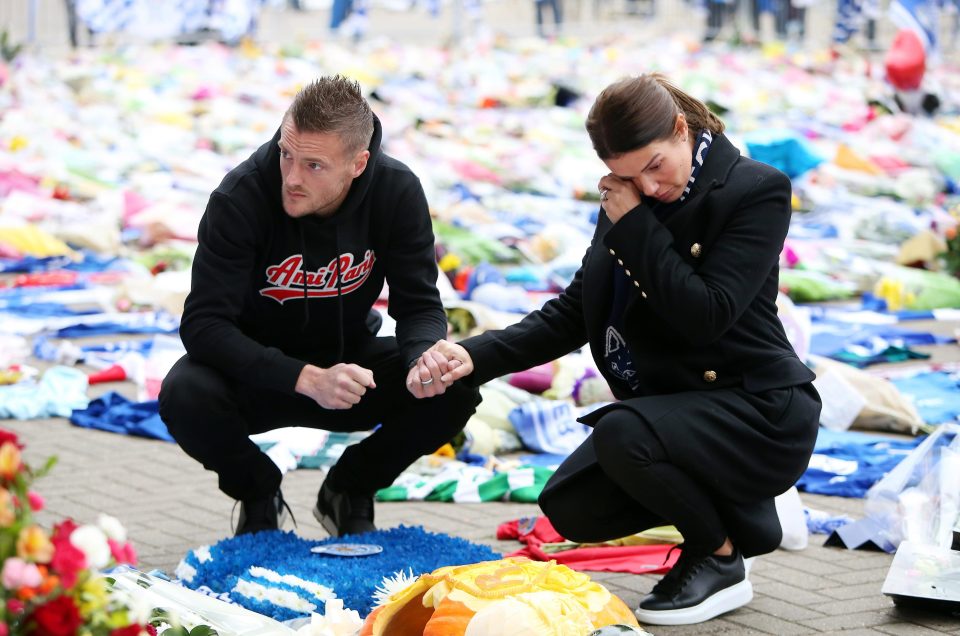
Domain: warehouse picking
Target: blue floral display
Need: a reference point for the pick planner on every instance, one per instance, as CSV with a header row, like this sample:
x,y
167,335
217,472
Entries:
x,y
352,579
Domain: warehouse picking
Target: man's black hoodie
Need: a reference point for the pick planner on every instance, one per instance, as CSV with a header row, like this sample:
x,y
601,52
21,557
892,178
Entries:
x,y
268,293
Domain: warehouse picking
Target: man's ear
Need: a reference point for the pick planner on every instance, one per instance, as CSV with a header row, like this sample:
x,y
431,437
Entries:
x,y
360,163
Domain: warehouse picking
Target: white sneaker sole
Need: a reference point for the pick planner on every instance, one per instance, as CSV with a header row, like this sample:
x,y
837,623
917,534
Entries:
x,y
725,600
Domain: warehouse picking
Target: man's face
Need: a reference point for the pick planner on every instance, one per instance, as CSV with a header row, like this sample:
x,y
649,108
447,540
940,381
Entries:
x,y
316,170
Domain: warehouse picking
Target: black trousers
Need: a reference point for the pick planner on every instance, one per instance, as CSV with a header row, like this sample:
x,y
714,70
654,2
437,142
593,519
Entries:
x,y
211,415
709,463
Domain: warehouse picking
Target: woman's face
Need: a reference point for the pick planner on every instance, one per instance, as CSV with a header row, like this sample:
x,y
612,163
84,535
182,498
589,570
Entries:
x,y
659,170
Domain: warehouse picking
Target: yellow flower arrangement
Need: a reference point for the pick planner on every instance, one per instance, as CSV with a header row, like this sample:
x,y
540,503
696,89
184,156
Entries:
x,y
534,597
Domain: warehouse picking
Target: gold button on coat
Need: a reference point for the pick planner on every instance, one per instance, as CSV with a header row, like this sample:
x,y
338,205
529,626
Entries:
x,y
709,376
696,250
643,293
612,253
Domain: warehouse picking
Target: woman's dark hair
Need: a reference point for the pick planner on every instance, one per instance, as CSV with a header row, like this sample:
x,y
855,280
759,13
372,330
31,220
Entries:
x,y
634,112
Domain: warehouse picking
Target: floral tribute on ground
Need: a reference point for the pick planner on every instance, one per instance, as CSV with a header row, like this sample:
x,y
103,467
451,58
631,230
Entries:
x,y
52,578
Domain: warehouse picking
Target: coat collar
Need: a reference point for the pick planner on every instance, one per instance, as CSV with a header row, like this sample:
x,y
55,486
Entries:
x,y
716,168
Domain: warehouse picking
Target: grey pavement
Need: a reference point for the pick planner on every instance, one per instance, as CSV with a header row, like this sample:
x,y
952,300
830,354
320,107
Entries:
x,y
170,505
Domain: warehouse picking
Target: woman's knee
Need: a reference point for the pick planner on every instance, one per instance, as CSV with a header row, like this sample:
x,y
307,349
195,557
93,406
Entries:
x,y
565,517
621,438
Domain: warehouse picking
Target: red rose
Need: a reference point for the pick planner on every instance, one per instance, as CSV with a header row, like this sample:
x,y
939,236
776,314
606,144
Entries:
x,y
129,630
67,559
59,617
9,436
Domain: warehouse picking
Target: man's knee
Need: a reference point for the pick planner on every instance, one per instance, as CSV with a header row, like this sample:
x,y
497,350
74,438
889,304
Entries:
x,y
460,402
188,389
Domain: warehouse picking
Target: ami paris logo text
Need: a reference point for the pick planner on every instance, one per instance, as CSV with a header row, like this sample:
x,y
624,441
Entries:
x,y
286,280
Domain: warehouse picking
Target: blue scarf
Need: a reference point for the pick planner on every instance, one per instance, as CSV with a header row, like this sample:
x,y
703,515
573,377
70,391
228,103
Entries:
x,y
616,355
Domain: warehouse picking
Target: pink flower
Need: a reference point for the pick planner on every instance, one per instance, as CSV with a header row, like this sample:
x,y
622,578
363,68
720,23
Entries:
x,y
18,573
67,559
4,630
36,501
123,552
15,605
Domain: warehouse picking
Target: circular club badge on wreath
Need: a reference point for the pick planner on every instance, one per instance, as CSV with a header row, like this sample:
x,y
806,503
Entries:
x,y
347,549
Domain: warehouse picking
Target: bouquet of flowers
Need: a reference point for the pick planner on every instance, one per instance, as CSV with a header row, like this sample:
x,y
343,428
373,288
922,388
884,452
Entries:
x,y
52,581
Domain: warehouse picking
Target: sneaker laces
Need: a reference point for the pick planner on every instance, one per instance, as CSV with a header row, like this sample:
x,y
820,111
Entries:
x,y
281,505
688,565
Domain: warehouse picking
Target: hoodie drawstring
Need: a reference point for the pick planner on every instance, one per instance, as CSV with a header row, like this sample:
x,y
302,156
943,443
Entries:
x,y
336,243
304,270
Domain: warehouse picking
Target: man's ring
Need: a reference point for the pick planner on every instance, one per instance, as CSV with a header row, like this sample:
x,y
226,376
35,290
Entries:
x,y
427,383
603,194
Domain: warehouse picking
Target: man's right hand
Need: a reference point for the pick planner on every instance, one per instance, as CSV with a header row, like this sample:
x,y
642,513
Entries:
x,y
339,387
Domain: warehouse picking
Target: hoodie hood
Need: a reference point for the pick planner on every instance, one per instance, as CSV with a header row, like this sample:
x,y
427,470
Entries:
x,y
271,292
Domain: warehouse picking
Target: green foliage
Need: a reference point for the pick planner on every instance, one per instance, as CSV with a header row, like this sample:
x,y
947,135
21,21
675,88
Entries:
x,y
8,50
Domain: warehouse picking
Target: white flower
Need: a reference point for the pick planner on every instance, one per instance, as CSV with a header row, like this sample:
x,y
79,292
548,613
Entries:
x,y
390,585
93,543
336,621
112,527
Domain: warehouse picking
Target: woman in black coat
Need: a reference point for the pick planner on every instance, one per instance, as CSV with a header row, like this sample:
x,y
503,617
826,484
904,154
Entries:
x,y
677,298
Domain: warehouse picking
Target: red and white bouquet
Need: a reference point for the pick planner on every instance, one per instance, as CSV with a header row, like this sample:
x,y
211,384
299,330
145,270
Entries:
x,y
52,581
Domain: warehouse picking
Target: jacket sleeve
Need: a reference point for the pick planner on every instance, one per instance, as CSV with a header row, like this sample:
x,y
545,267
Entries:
x,y
549,333
210,330
411,274
704,303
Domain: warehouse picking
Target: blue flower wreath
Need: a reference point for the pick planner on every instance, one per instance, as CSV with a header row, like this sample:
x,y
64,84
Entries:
x,y
352,579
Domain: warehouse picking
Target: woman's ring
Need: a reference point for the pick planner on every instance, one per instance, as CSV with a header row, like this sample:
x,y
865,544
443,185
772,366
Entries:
x,y
427,383
603,194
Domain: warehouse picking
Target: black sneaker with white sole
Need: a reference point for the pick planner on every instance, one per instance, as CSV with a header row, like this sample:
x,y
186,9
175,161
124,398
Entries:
x,y
343,513
257,515
697,588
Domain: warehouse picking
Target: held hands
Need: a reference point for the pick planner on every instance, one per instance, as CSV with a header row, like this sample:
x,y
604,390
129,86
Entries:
x,y
339,387
439,367
617,196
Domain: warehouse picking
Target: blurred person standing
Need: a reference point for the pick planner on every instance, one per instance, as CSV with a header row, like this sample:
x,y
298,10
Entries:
x,y
556,9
